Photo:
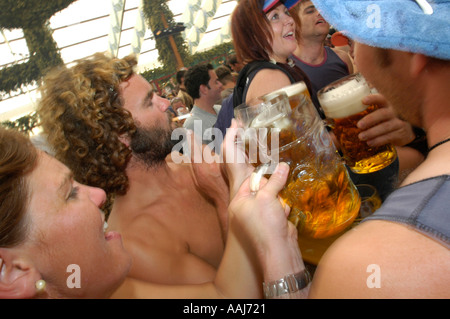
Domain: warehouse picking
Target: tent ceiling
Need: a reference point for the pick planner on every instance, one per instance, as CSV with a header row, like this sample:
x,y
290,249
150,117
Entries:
x,y
85,27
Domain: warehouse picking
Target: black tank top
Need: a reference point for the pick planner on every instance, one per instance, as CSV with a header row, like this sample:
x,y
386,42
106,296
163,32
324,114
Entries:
x,y
331,69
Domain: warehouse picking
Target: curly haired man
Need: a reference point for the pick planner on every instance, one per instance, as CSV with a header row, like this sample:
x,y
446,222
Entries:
x,y
107,124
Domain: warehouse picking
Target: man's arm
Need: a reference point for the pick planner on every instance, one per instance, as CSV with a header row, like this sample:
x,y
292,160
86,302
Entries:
x,y
344,56
380,259
208,177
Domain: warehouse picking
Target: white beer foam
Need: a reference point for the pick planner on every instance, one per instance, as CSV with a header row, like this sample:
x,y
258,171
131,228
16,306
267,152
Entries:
x,y
278,121
290,90
345,100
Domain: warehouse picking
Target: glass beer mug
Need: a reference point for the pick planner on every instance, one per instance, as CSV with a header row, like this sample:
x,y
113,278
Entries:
x,y
342,104
323,199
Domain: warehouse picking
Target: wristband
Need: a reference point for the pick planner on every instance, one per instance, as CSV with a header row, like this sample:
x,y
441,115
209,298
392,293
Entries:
x,y
289,284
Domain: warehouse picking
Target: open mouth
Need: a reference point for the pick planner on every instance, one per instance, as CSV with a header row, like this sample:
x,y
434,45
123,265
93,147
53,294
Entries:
x,y
109,235
289,35
112,235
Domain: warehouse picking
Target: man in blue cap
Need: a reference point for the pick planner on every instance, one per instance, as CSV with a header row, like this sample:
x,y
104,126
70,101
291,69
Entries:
x,y
402,250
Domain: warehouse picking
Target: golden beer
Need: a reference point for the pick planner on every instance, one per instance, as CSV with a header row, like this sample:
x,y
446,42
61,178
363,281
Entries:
x,y
342,104
322,198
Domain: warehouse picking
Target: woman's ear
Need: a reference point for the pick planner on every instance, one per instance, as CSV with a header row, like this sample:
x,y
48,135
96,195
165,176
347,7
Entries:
x,y
18,277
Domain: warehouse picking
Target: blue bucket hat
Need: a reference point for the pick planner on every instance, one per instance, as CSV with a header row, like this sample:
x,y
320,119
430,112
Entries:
x,y
269,4
417,26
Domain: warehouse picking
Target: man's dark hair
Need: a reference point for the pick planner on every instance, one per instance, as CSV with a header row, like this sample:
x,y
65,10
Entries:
x,y
232,59
196,76
223,72
180,75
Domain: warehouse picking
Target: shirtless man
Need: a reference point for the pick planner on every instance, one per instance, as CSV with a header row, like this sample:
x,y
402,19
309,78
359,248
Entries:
x,y
115,133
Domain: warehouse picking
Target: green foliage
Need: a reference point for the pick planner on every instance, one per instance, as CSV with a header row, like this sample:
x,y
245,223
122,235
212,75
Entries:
x,y
154,11
31,16
215,56
12,78
18,14
24,124
221,50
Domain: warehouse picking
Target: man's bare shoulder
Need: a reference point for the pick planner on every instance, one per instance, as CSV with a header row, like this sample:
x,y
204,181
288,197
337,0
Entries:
x,y
380,259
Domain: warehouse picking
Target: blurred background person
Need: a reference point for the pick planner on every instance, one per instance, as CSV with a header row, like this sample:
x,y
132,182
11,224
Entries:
x,y
234,64
182,93
228,80
204,87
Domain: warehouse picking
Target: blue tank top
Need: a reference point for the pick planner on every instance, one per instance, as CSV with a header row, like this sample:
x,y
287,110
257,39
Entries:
x,y
331,69
423,205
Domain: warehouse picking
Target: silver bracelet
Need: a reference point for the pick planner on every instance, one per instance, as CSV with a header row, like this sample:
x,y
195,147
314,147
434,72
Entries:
x,y
289,284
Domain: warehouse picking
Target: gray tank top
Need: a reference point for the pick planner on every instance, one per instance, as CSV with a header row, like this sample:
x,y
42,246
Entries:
x,y
424,205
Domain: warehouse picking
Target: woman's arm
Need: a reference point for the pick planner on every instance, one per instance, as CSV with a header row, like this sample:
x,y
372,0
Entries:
x,y
266,81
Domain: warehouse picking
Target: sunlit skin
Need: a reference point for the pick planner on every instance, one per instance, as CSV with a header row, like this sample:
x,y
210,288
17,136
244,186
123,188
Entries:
x,y
313,24
283,45
400,93
283,27
66,214
144,104
411,265
314,30
168,211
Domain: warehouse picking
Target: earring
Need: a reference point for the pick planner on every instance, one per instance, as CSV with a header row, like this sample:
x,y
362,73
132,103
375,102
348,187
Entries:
x,y
40,286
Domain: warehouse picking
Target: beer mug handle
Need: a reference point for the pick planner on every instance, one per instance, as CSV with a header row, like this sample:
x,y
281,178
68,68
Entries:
x,y
260,171
255,180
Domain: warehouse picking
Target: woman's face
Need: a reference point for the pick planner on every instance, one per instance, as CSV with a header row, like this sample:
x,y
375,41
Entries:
x,y
67,238
283,33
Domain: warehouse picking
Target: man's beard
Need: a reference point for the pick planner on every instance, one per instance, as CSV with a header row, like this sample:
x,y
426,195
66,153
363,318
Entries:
x,y
152,145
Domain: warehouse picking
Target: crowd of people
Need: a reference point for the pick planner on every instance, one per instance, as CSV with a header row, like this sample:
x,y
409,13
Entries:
x,y
101,190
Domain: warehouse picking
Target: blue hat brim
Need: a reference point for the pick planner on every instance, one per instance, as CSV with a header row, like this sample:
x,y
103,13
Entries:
x,y
392,24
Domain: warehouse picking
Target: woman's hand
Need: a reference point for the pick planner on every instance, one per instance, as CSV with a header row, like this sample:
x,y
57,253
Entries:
x,y
261,215
235,162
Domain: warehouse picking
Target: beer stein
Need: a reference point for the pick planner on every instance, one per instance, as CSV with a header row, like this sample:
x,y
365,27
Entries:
x,y
342,104
323,200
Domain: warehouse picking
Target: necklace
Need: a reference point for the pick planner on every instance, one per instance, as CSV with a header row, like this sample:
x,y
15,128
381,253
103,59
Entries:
x,y
439,143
